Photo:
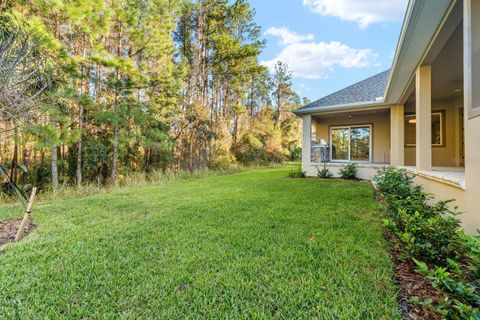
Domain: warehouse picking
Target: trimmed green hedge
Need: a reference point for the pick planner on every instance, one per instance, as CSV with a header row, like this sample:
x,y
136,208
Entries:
x,y
431,235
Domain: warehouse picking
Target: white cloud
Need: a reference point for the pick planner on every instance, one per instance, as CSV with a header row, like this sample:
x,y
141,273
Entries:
x,y
287,36
303,87
312,60
363,12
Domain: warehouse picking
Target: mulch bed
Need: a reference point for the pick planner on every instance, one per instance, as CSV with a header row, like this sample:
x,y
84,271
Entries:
x,y
411,284
8,230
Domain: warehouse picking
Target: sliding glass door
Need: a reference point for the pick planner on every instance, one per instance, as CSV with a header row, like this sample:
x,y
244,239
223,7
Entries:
x,y
340,144
351,143
360,144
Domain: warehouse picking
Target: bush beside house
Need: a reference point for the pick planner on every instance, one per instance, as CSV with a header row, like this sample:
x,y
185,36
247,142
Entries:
x,y
432,237
349,172
324,173
297,172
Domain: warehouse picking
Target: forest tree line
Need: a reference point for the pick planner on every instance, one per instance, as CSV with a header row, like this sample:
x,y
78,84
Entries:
x,y
94,89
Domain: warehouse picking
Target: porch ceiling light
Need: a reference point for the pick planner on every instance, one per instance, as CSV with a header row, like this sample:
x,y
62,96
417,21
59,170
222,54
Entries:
x,y
412,121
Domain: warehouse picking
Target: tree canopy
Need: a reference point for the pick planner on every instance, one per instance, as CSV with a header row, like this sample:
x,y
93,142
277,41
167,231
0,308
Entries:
x,y
94,89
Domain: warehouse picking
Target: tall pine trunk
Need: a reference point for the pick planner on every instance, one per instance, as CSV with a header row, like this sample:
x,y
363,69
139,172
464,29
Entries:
x,y
113,176
115,149
54,162
80,127
279,107
55,167
54,156
79,147
119,52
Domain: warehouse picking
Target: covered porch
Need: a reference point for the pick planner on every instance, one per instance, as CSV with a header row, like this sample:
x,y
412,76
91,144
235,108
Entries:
x,y
429,122
423,133
355,136
335,139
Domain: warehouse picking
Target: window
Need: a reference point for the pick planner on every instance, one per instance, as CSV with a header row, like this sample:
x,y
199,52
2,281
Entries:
x,y
438,126
351,143
437,129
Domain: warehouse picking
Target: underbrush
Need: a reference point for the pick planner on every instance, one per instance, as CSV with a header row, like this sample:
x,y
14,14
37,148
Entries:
x,y
431,235
132,180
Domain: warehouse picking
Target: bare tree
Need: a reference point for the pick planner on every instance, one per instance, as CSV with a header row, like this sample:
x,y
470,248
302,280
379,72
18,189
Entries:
x,y
22,79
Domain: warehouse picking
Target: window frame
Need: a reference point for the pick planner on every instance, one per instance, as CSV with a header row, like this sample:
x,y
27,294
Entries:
x,y
442,114
349,127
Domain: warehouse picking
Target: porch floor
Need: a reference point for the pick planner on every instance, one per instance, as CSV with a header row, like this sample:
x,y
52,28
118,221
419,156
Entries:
x,y
373,165
454,176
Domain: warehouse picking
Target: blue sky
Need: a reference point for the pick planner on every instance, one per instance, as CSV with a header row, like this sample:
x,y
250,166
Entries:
x,y
329,44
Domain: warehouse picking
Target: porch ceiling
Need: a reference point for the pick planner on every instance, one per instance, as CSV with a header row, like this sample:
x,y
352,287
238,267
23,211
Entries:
x,y
350,114
447,68
421,24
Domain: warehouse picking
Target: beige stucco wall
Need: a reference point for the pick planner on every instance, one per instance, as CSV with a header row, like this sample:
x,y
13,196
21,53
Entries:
x,y
467,201
365,171
380,131
471,44
471,201
447,156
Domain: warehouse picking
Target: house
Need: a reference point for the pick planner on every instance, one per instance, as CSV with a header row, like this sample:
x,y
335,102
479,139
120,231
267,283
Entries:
x,y
423,114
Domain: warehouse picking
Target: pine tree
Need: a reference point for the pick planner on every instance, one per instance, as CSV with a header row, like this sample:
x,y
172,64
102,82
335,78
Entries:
x,y
145,85
283,89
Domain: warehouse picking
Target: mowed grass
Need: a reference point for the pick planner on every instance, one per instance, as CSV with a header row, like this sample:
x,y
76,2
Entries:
x,y
253,245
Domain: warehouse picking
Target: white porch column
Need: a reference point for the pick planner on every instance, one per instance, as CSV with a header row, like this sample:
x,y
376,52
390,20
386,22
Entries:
x,y
471,54
471,47
306,142
397,135
424,118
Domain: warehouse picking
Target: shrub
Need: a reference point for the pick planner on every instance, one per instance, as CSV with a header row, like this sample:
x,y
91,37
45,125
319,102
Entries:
x,y
248,150
431,235
259,150
324,173
432,239
297,172
428,231
399,191
458,282
349,172
96,159
221,160
296,154
395,182
41,174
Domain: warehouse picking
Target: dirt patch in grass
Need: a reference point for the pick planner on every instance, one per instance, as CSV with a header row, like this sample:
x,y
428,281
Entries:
x,y
8,230
411,284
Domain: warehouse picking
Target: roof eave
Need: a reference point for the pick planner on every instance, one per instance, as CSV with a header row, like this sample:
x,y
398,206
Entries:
x,y
339,107
422,22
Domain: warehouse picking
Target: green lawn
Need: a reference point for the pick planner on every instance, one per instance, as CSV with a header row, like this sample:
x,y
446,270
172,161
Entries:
x,y
249,245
